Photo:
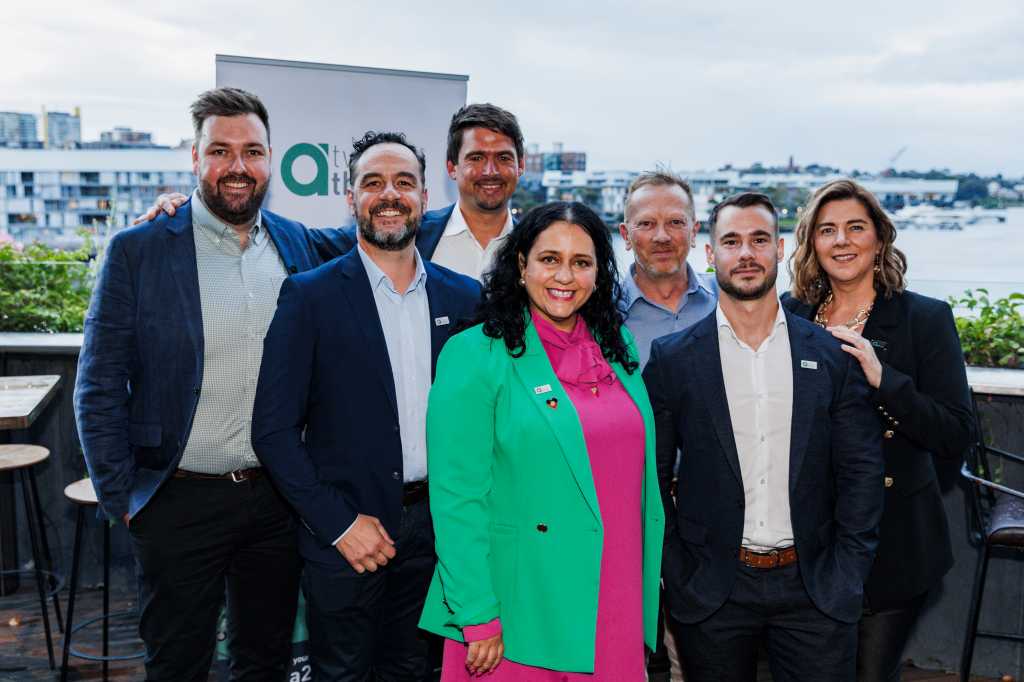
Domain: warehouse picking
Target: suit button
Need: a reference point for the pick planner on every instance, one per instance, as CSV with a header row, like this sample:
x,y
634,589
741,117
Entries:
x,y
292,269
196,390
396,429
888,433
396,475
888,481
542,527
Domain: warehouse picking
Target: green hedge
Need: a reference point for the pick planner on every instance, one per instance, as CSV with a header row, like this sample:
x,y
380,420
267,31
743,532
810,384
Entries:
x,y
993,335
44,289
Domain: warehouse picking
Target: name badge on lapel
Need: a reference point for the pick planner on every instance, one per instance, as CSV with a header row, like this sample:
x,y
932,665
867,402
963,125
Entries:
x,y
440,321
539,390
808,364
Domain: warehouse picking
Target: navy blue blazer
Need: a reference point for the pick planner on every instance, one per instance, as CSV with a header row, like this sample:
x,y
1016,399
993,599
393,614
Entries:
x,y
427,238
835,471
924,402
141,365
325,421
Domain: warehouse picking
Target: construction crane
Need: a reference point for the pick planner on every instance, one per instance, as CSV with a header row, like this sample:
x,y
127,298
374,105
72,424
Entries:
x,y
896,157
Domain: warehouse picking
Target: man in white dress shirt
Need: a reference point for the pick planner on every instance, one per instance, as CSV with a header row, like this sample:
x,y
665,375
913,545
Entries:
x,y
774,526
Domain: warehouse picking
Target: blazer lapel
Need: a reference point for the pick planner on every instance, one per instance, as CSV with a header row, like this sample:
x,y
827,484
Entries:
x,y
535,372
432,229
356,289
441,321
181,251
805,393
886,315
706,363
285,244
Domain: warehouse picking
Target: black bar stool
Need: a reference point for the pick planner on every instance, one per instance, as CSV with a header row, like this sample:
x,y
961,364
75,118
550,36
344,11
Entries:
x,y
84,496
22,459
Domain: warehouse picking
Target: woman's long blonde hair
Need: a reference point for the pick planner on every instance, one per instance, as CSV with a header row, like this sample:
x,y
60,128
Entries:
x,y
810,283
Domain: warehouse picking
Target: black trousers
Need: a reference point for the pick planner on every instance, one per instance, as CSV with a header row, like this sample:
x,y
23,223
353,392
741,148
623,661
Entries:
x,y
197,541
364,627
768,608
882,636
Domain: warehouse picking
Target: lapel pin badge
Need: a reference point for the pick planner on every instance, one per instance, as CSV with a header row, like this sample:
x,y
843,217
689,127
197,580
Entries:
x,y
440,321
809,364
538,390
552,403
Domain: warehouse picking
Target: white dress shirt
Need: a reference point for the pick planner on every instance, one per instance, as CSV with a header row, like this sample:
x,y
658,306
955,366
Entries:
x,y
759,389
459,250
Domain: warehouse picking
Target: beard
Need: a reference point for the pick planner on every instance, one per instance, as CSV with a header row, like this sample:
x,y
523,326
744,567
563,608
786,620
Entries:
x,y
233,212
748,294
389,241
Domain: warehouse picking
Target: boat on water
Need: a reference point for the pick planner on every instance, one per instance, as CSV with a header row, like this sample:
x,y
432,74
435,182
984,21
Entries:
x,y
928,217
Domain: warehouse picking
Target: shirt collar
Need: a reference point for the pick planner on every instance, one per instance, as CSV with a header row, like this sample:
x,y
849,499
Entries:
x,y
723,322
457,223
632,292
217,229
379,278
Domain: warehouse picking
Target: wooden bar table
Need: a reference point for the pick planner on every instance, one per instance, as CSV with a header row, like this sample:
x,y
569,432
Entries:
x,y
22,400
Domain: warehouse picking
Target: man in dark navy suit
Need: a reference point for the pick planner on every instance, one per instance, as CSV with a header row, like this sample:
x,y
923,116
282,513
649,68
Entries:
x,y
486,158
775,522
166,379
340,420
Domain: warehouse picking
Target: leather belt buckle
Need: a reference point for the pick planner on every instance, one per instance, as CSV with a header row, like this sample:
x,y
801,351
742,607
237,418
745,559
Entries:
x,y
239,476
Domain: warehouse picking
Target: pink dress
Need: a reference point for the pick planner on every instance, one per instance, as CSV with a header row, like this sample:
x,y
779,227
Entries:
x,y
614,433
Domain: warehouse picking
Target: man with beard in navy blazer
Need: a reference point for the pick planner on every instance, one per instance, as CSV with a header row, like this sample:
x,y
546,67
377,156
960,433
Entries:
x,y
780,484
340,420
164,396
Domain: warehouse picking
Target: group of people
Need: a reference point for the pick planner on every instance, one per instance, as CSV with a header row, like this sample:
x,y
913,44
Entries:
x,y
449,422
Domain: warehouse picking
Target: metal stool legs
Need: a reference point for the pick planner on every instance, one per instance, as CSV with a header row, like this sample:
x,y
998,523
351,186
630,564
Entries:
x,y
974,612
79,518
32,518
52,579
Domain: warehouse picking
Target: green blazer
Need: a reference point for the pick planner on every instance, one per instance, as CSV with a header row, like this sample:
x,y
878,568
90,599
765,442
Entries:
x,y
518,528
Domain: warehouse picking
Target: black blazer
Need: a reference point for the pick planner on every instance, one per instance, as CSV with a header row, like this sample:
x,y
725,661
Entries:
x,y
325,418
923,400
835,471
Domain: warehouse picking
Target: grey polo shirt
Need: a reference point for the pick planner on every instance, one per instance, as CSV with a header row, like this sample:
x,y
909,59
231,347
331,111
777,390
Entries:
x,y
238,294
648,320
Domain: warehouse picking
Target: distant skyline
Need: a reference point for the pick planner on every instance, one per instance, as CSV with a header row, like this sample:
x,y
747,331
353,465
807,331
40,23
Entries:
x,y
687,85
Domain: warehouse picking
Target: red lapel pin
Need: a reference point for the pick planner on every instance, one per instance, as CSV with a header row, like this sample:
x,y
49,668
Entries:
x,y
552,403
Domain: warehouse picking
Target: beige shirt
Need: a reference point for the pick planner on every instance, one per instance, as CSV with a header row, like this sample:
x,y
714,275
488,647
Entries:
x,y
759,389
459,250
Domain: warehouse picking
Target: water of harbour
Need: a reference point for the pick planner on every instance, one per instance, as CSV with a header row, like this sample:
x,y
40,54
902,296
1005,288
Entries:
x,y
941,263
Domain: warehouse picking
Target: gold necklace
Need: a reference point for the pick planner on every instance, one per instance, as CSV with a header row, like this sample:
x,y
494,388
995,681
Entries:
x,y
861,317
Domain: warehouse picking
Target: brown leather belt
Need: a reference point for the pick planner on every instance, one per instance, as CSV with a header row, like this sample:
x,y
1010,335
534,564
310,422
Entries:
x,y
413,492
237,476
776,558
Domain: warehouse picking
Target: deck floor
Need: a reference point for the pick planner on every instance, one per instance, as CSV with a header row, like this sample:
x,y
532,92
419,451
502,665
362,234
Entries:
x,y
23,646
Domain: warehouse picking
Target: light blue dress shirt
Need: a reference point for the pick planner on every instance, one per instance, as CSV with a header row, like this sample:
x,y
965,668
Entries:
x,y
405,320
648,320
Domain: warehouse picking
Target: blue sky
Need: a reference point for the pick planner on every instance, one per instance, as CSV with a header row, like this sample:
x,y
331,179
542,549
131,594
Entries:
x,y
691,85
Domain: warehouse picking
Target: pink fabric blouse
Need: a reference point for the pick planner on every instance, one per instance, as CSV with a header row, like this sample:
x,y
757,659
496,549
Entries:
x,y
614,433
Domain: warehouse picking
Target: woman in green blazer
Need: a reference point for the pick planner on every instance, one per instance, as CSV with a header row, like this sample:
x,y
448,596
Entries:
x,y
548,521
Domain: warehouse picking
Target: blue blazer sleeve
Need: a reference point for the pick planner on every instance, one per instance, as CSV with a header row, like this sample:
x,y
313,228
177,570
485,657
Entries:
x,y
105,366
331,242
279,418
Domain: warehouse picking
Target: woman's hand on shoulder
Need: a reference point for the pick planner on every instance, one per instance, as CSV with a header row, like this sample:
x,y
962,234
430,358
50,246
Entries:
x,y
860,348
485,655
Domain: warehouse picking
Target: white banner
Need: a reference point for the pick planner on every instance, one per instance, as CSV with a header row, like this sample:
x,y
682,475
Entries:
x,y
316,110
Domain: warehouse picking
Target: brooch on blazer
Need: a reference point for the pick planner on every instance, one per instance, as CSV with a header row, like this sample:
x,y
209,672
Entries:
x,y
552,403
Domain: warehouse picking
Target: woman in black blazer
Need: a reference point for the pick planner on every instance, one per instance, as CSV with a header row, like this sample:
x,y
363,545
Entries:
x,y
849,278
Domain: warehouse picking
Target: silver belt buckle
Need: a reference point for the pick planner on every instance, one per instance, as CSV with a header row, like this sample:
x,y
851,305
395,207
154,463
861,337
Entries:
x,y
238,476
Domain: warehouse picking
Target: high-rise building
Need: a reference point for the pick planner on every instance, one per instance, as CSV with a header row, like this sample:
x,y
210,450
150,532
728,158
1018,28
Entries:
x,y
555,160
125,137
17,129
50,194
61,129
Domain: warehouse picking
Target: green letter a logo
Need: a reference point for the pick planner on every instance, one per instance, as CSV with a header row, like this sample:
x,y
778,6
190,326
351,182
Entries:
x,y
318,185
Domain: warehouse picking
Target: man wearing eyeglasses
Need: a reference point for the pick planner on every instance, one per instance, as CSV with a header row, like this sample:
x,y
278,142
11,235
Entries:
x,y
663,294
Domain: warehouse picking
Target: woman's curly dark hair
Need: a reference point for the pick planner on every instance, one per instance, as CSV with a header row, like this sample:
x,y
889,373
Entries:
x,y
505,301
